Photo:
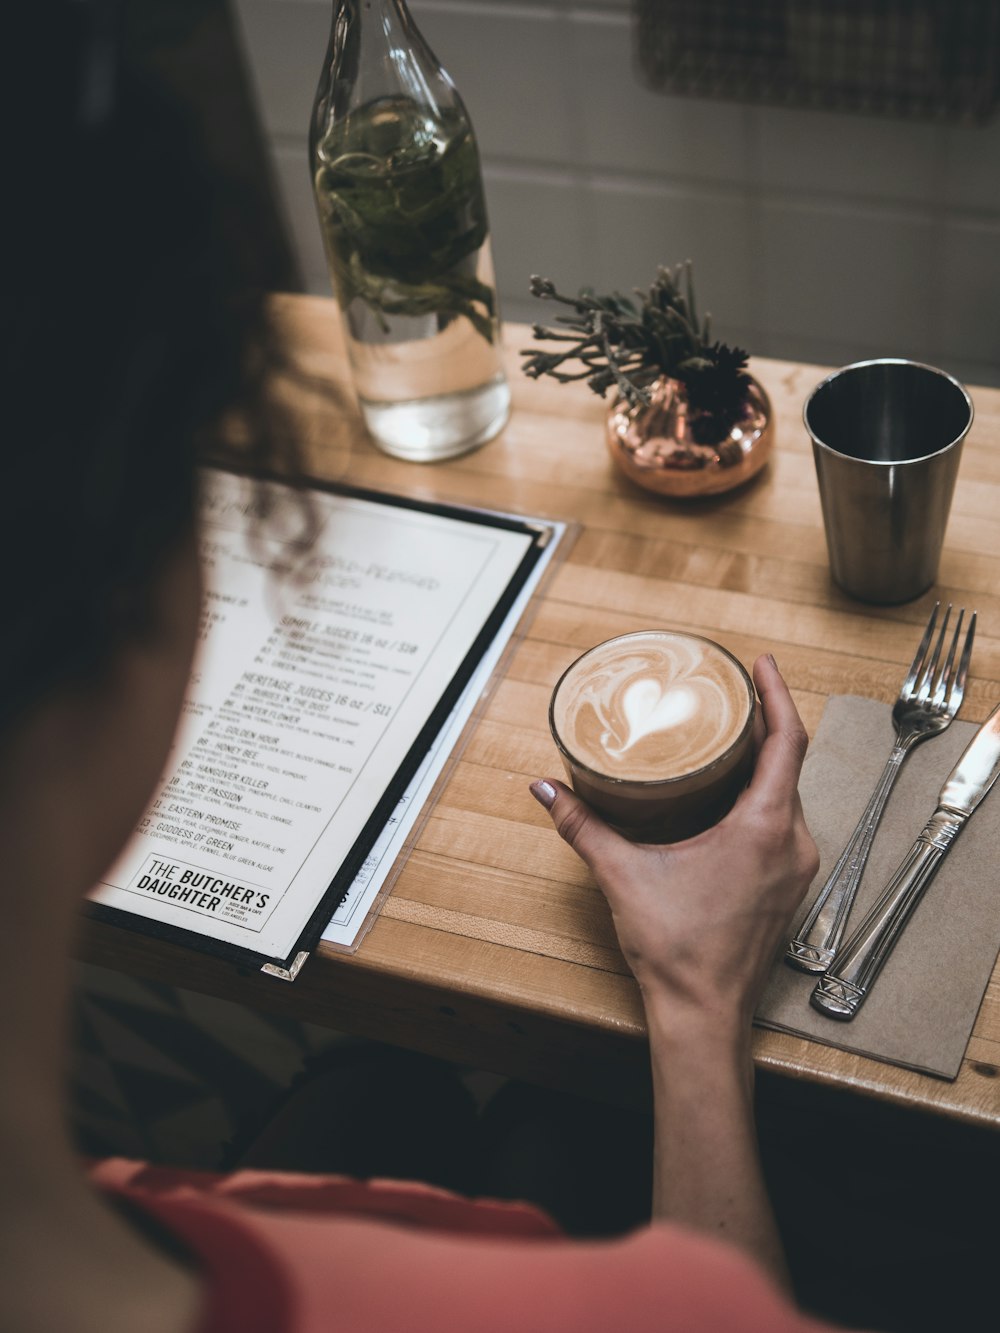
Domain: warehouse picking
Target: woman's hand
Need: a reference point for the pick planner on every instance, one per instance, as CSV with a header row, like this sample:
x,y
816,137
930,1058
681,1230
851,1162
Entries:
x,y
699,922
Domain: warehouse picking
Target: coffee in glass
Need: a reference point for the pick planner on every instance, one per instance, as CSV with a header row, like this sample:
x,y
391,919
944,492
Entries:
x,y
655,730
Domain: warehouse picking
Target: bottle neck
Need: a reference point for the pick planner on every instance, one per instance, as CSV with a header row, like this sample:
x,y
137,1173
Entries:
x,y
376,51
378,26
389,16
388,50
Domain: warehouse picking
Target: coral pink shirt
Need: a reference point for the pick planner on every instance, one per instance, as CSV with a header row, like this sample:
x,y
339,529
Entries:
x,y
285,1253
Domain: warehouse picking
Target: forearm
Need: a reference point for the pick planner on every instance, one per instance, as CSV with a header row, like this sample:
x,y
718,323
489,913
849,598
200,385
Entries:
x,y
707,1171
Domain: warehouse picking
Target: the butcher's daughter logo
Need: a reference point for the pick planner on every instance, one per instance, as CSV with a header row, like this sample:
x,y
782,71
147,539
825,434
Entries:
x,y
194,889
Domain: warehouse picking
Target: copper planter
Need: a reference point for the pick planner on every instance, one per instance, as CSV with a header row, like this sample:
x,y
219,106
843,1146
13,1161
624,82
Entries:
x,y
655,445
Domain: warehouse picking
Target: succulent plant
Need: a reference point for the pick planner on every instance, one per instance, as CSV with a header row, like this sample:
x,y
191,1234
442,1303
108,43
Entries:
x,y
615,341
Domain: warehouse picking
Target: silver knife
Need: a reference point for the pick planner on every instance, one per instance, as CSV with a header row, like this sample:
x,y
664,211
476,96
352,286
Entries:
x,y
851,975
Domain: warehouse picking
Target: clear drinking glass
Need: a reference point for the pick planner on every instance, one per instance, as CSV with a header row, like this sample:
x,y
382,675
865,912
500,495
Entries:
x,y
399,191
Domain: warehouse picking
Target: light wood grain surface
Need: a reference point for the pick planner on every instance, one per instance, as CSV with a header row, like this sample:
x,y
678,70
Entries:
x,y
495,949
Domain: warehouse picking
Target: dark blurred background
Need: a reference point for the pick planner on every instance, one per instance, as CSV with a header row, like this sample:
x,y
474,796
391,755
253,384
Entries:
x,y
831,166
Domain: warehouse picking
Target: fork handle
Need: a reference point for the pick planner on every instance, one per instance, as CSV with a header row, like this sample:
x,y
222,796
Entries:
x,y
814,947
842,992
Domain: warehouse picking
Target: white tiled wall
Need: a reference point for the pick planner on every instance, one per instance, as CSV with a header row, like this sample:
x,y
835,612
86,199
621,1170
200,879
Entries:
x,y
815,235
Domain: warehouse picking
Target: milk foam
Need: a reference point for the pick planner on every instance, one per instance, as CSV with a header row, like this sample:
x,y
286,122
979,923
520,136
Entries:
x,y
650,706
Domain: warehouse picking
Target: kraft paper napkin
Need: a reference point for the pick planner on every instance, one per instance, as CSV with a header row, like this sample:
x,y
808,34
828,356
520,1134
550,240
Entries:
x,y
922,1007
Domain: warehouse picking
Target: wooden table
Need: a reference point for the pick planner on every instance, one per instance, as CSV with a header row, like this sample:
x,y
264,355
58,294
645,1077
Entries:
x,y
495,949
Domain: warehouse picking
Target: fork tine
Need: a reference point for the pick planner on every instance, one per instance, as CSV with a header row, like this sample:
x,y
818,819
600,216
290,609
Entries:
x,y
923,693
958,689
944,680
911,679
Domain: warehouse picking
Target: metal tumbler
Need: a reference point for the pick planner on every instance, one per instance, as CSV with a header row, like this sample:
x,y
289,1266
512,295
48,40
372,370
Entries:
x,y
887,437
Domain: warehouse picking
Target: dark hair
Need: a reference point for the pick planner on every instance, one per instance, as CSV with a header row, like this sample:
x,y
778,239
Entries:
x,y
135,323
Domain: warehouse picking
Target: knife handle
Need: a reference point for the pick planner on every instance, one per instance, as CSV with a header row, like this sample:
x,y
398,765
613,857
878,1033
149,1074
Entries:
x,y
842,992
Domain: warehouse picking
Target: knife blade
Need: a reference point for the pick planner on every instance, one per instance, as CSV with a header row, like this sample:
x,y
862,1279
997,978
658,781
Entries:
x,y
851,975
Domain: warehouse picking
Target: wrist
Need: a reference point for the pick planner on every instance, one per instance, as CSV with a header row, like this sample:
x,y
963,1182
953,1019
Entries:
x,y
679,1031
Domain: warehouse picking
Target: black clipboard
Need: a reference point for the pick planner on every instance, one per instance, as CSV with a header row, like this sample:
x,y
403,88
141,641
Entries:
x,y
287,968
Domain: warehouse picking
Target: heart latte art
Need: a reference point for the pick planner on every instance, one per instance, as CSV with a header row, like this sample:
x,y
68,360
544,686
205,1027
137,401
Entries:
x,y
650,706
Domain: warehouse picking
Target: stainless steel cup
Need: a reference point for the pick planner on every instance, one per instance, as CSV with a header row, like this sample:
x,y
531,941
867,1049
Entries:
x,y
887,438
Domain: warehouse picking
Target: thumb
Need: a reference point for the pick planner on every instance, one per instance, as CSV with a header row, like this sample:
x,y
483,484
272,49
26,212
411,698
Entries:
x,y
594,842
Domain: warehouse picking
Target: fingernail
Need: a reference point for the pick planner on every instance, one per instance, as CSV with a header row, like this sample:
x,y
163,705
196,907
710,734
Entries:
x,y
770,658
544,793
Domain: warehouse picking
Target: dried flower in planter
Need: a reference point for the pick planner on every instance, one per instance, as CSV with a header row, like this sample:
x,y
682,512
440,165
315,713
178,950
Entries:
x,y
688,419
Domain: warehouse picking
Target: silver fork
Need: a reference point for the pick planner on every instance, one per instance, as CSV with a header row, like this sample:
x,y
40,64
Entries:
x,y
924,708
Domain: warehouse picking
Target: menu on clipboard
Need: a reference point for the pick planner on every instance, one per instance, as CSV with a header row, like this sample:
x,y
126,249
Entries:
x,y
314,699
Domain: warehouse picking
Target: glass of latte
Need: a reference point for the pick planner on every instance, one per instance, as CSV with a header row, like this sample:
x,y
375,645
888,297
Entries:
x,y
655,730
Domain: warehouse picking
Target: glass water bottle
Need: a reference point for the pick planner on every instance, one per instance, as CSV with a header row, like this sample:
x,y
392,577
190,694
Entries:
x,y
399,190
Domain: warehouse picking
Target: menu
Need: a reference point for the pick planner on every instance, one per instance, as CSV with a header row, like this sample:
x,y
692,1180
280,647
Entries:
x,y
321,680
